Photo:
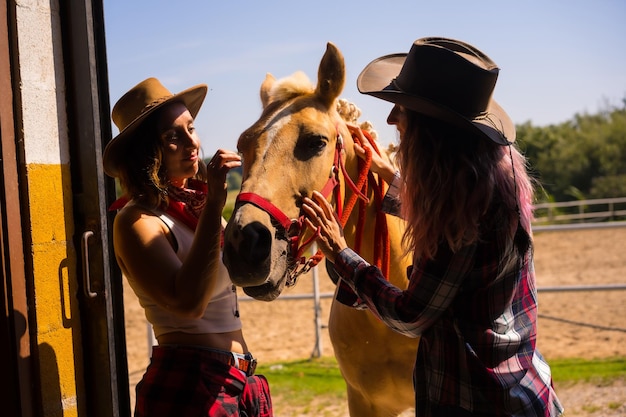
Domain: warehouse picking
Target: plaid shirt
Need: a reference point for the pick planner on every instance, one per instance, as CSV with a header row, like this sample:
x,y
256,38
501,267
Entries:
x,y
475,311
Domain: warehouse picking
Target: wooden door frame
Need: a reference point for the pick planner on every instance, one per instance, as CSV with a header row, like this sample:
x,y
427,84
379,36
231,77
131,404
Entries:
x,y
15,343
100,284
101,359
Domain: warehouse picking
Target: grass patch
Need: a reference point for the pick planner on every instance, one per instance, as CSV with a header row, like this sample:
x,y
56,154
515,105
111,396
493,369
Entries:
x,y
587,370
306,381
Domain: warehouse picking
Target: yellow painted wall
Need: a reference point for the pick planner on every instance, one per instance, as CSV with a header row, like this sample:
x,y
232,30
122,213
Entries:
x,y
45,141
54,261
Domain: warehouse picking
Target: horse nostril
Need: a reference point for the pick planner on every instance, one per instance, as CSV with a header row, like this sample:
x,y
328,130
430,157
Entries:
x,y
256,243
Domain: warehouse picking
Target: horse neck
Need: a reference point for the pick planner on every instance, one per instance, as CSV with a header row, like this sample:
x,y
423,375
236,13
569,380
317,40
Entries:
x,y
397,261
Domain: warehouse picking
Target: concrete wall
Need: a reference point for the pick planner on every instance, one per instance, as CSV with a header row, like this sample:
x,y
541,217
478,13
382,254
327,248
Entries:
x,y
44,123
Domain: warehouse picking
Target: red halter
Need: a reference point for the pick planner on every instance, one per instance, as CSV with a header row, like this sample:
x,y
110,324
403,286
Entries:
x,y
294,227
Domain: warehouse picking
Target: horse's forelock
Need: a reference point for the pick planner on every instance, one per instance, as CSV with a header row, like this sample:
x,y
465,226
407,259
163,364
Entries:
x,y
286,88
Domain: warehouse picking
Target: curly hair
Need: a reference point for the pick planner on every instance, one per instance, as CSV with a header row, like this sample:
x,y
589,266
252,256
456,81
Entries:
x,y
142,175
453,181
351,113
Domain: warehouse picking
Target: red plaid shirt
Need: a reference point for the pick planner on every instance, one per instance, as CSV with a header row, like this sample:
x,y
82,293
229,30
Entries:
x,y
476,313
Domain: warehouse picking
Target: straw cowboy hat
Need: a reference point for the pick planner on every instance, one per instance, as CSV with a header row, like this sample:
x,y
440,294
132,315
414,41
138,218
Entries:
x,y
132,109
445,79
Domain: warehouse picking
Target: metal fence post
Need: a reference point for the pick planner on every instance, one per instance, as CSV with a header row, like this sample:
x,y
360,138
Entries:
x,y
317,350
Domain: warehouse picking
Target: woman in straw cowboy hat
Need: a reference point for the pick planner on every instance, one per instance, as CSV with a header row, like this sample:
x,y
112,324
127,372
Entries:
x,y
167,237
467,198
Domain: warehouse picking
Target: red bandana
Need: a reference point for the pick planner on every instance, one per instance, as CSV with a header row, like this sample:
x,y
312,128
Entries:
x,y
185,204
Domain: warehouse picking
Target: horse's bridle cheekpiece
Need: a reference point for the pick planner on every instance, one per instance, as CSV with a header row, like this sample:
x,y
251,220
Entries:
x,y
445,79
294,228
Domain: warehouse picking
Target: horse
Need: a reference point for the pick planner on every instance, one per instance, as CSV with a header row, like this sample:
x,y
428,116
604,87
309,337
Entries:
x,y
299,144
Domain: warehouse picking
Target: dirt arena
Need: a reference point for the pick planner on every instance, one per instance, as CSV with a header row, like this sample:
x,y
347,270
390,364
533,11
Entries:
x,y
572,324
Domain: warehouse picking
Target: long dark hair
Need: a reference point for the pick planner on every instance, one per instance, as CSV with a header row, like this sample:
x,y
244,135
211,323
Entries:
x,y
451,179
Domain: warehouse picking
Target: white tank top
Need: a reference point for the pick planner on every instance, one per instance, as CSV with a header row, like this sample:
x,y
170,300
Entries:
x,y
221,314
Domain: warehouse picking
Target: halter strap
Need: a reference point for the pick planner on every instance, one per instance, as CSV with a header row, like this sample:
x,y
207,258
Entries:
x,y
265,205
294,227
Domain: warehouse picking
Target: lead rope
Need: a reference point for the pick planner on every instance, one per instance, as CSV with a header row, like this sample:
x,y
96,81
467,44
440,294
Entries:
x,y
382,248
343,212
381,232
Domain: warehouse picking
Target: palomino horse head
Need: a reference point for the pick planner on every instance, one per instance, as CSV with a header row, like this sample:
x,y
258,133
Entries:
x,y
293,149
301,144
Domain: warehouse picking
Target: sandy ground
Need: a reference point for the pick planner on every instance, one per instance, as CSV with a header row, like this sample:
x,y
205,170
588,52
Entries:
x,y
572,324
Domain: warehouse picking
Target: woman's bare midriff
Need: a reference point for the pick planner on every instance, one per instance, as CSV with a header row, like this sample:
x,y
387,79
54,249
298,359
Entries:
x,y
230,341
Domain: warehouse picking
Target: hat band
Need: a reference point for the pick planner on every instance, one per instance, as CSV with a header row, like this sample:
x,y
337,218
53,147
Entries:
x,y
155,103
494,121
470,115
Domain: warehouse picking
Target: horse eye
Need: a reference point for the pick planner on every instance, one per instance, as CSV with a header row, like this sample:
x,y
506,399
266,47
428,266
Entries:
x,y
310,146
317,142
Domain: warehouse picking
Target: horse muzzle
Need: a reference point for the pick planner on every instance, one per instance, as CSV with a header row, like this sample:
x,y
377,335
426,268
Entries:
x,y
255,254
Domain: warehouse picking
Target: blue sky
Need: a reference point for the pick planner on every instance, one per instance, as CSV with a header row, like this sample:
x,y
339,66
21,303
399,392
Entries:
x,y
557,57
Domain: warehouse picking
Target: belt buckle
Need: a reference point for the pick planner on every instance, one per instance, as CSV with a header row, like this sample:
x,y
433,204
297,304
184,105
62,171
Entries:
x,y
245,363
252,362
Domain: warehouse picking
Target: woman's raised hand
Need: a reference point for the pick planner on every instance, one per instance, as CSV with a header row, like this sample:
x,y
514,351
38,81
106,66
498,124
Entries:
x,y
380,165
222,162
321,216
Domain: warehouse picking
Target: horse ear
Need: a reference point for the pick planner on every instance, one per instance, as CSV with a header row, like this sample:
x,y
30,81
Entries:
x,y
331,75
266,86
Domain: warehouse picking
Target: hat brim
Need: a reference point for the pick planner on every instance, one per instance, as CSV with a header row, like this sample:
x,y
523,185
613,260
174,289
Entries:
x,y
376,80
192,98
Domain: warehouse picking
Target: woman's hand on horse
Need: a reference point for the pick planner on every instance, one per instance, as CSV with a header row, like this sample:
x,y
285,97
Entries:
x,y
380,165
222,162
320,216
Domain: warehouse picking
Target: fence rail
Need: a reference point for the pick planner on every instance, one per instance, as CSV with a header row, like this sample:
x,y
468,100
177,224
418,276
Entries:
x,y
556,218
316,296
604,209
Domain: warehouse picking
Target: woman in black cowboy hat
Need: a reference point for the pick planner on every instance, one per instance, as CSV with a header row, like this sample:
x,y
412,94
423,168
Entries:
x,y
167,237
467,199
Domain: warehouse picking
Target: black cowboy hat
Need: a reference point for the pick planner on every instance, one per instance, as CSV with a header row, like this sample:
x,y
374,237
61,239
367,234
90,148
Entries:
x,y
132,109
445,79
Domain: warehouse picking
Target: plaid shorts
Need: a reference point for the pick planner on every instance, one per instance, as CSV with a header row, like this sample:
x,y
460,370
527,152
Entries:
x,y
189,382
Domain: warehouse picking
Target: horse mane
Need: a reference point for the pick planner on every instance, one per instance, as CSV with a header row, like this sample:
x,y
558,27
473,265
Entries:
x,y
295,85
351,113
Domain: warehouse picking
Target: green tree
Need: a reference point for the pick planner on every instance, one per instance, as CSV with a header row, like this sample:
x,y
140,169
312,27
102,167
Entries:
x,y
581,158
